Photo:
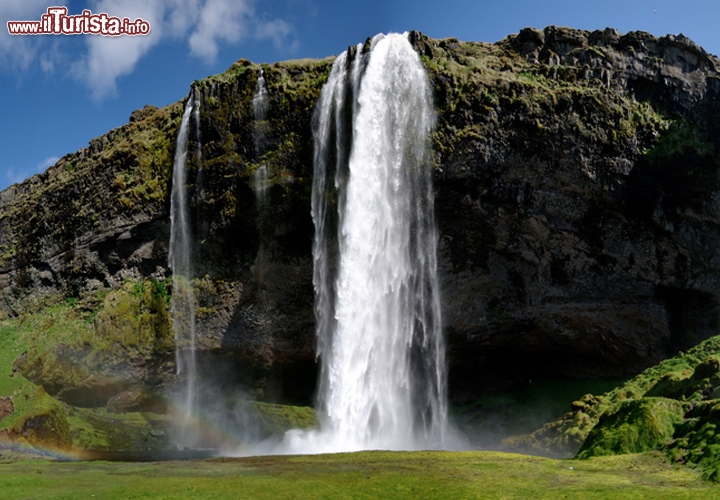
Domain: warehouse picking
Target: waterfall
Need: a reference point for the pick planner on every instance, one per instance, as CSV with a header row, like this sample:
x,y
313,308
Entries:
x,y
200,182
183,299
260,106
260,182
260,102
377,306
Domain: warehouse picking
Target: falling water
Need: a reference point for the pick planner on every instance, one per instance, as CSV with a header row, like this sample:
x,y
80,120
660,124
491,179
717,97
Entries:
x,y
183,299
260,182
200,181
260,106
383,383
260,103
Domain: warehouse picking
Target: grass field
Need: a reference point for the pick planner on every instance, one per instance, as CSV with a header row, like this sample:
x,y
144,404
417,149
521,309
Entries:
x,y
386,475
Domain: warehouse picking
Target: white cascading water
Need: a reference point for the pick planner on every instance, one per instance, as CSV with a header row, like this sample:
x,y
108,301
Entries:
x,y
200,181
183,305
260,106
383,381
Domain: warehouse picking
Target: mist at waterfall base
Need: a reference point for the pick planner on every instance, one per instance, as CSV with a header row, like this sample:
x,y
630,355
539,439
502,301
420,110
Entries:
x,y
383,383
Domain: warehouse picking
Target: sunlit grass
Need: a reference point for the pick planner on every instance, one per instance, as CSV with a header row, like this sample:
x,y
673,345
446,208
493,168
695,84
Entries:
x,y
8,352
417,475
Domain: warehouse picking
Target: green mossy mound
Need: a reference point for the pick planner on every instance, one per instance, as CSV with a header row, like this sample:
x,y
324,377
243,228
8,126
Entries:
x,y
100,430
85,352
44,425
673,407
634,426
277,419
697,439
687,377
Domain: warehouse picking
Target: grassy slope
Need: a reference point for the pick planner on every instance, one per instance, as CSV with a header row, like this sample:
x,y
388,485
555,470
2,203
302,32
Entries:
x,y
361,475
116,324
36,333
24,394
673,406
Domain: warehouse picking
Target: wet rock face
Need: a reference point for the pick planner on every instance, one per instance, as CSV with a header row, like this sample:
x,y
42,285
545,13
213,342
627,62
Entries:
x,y
576,193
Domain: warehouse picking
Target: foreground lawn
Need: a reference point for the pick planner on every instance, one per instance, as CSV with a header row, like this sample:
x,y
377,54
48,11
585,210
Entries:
x,y
418,475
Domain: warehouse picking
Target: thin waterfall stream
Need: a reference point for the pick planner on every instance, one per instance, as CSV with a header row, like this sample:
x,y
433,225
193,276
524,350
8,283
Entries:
x,y
183,304
260,106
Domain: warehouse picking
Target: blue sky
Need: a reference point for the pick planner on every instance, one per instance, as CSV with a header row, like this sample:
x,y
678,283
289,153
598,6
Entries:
x,y
57,92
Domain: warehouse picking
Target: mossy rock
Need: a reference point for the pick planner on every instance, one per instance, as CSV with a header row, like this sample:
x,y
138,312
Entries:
x,y
672,385
85,358
697,440
275,419
682,385
633,426
46,425
48,429
690,377
94,429
134,319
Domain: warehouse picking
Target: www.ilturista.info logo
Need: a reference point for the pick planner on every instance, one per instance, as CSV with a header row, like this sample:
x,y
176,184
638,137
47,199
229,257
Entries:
x,y
56,22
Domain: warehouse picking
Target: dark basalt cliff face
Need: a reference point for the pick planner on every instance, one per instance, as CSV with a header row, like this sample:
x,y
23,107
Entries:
x,y
577,200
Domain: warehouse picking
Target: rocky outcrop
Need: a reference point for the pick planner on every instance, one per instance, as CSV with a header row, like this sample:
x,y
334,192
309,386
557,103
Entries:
x,y
576,199
7,407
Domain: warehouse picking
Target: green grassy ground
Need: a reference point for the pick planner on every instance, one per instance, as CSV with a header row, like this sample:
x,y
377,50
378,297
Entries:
x,y
394,475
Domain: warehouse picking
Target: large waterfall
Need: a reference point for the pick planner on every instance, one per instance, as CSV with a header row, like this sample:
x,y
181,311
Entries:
x,y
383,382
183,298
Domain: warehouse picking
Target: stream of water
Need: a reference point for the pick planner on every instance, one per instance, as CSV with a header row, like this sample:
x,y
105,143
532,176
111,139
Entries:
x,y
383,380
183,304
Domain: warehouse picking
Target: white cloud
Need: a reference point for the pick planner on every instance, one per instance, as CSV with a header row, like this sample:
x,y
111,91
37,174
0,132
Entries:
x,y
207,24
51,57
14,175
18,52
181,16
45,164
277,31
224,20
109,58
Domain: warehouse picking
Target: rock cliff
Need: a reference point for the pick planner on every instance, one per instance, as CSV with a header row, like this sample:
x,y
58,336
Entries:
x,y
577,201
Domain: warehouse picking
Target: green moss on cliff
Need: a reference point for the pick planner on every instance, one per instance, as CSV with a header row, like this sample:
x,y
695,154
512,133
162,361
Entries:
x,y
45,424
680,138
481,88
74,348
135,319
